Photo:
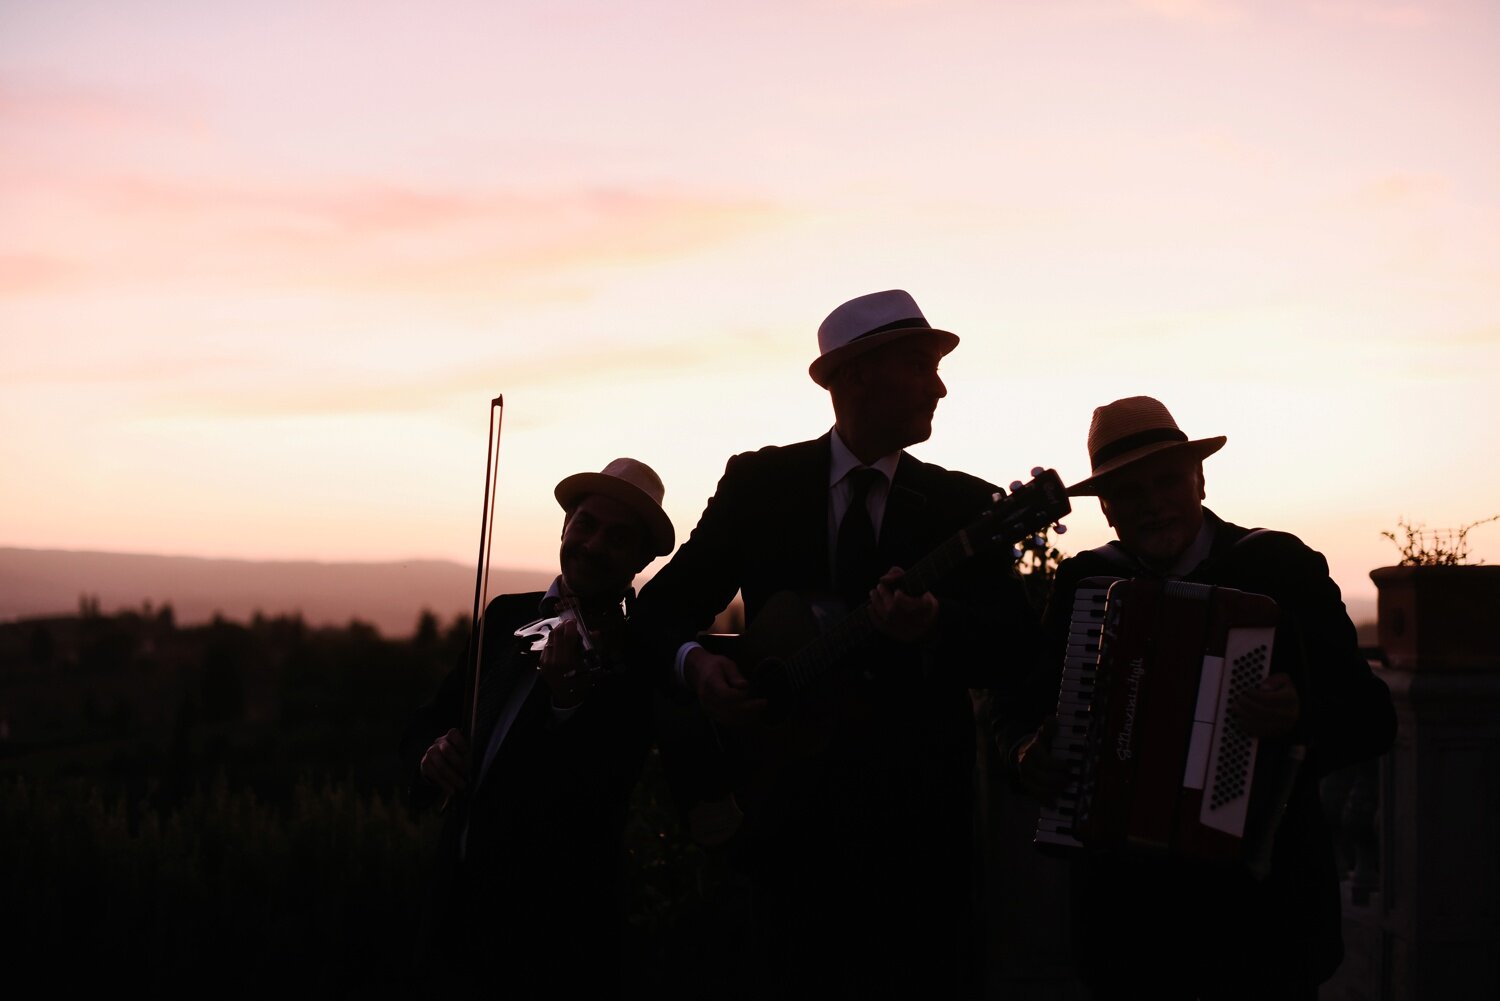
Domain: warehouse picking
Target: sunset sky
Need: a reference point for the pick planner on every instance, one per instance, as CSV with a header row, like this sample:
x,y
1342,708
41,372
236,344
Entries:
x,y
263,265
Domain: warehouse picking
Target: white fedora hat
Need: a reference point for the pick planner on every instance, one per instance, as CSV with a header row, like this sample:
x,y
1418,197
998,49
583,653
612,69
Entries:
x,y
632,483
867,322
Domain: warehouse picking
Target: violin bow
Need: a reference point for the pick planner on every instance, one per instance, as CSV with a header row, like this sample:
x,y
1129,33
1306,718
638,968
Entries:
x,y
475,654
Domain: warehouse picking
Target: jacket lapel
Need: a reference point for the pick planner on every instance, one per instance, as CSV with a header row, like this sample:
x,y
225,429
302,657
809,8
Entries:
x,y
807,487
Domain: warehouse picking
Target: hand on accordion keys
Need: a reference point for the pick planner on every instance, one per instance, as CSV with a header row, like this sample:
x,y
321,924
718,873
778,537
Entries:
x,y
1269,710
1042,771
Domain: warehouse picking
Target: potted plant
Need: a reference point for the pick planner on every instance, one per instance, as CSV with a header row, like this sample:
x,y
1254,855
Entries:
x,y
1438,611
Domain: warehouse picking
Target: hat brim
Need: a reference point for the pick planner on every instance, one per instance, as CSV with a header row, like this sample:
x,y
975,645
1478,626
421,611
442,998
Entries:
x,y
823,368
1200,449
659,529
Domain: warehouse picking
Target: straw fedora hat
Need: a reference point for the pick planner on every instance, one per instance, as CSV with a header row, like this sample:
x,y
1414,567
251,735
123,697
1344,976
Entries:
x,y
1129,430
632,483
867,322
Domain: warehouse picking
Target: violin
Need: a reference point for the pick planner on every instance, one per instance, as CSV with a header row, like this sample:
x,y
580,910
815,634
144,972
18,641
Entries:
x,y
594,660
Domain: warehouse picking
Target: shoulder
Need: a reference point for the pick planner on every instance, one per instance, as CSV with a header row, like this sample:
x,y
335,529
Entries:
x,y
1236,542
813,450
930,477
1273,563
759,469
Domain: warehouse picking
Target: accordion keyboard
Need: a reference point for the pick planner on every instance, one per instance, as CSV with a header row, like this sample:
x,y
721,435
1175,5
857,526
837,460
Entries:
x,y
1055,821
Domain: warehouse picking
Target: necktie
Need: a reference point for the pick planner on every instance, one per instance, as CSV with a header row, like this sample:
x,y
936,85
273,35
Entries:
x,y
857,565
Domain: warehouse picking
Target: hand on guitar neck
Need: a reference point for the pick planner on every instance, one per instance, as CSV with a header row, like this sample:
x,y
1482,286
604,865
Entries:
x,y
899,615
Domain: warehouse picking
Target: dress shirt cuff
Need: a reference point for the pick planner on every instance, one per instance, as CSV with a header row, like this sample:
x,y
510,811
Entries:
x,y
681,664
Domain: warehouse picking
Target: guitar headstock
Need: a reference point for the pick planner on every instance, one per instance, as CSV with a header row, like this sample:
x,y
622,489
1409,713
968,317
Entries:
x,y
1028,508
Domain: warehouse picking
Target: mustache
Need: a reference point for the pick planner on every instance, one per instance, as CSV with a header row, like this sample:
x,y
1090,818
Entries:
x,y
582,555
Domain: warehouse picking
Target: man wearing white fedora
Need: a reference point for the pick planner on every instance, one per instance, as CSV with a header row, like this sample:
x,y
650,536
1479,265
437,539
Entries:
x,y
1172,927
525,893
856,786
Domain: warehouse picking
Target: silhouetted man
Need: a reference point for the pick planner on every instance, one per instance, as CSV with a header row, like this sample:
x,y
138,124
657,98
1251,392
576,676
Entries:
x,y
1167,927
857,834
526,900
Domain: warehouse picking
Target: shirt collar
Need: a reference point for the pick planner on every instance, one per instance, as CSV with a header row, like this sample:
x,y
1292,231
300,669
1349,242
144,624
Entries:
x,y
548,604
842,460
1195,553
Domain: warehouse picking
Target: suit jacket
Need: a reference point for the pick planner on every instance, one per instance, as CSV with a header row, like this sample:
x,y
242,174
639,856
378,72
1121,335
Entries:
x,y
545,823
1238,930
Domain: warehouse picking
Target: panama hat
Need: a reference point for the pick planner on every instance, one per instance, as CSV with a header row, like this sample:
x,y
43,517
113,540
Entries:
x,y
867,322
1129,430
632,483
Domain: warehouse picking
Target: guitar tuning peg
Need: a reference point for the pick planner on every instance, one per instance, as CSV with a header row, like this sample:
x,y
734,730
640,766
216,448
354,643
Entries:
x,y
1036,471
1015,485
1039,540
1060,528
1015,552
997,496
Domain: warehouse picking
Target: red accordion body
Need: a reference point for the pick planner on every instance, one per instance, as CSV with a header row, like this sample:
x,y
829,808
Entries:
x,y
1158,764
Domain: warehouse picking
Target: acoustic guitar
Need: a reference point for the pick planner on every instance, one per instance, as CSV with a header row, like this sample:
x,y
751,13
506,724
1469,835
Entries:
x,y
796,646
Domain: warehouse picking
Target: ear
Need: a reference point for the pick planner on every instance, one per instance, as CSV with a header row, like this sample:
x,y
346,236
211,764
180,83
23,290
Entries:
x,y
849,375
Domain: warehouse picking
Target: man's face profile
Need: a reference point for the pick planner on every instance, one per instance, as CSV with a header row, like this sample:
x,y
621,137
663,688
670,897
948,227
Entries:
x,y
897,389
1155,505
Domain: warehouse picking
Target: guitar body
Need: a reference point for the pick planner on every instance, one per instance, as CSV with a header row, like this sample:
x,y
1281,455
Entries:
x,y
803,654
798,722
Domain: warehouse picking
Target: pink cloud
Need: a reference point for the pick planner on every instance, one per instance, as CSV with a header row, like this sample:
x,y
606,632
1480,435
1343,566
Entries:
x,y
49,107
29,273
427,390
1405,189
1201,11
1399,15
133,228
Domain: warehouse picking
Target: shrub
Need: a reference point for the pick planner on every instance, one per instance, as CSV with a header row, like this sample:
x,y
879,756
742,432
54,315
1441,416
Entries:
x,y
1423,547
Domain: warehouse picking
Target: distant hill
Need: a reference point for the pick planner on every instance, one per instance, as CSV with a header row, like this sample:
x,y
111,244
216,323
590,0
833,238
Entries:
x,y
389,596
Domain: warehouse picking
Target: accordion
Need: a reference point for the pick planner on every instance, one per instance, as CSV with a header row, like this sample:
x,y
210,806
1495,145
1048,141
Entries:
x,y
1157,764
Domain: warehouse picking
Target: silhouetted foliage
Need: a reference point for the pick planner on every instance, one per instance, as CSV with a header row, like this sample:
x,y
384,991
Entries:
x,y
225,800
43,645
1424,547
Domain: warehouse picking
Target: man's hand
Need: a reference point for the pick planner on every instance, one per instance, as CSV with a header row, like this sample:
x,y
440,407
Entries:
x,y
446,763
1270,710
899,615
1043,774
561,665
721,689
